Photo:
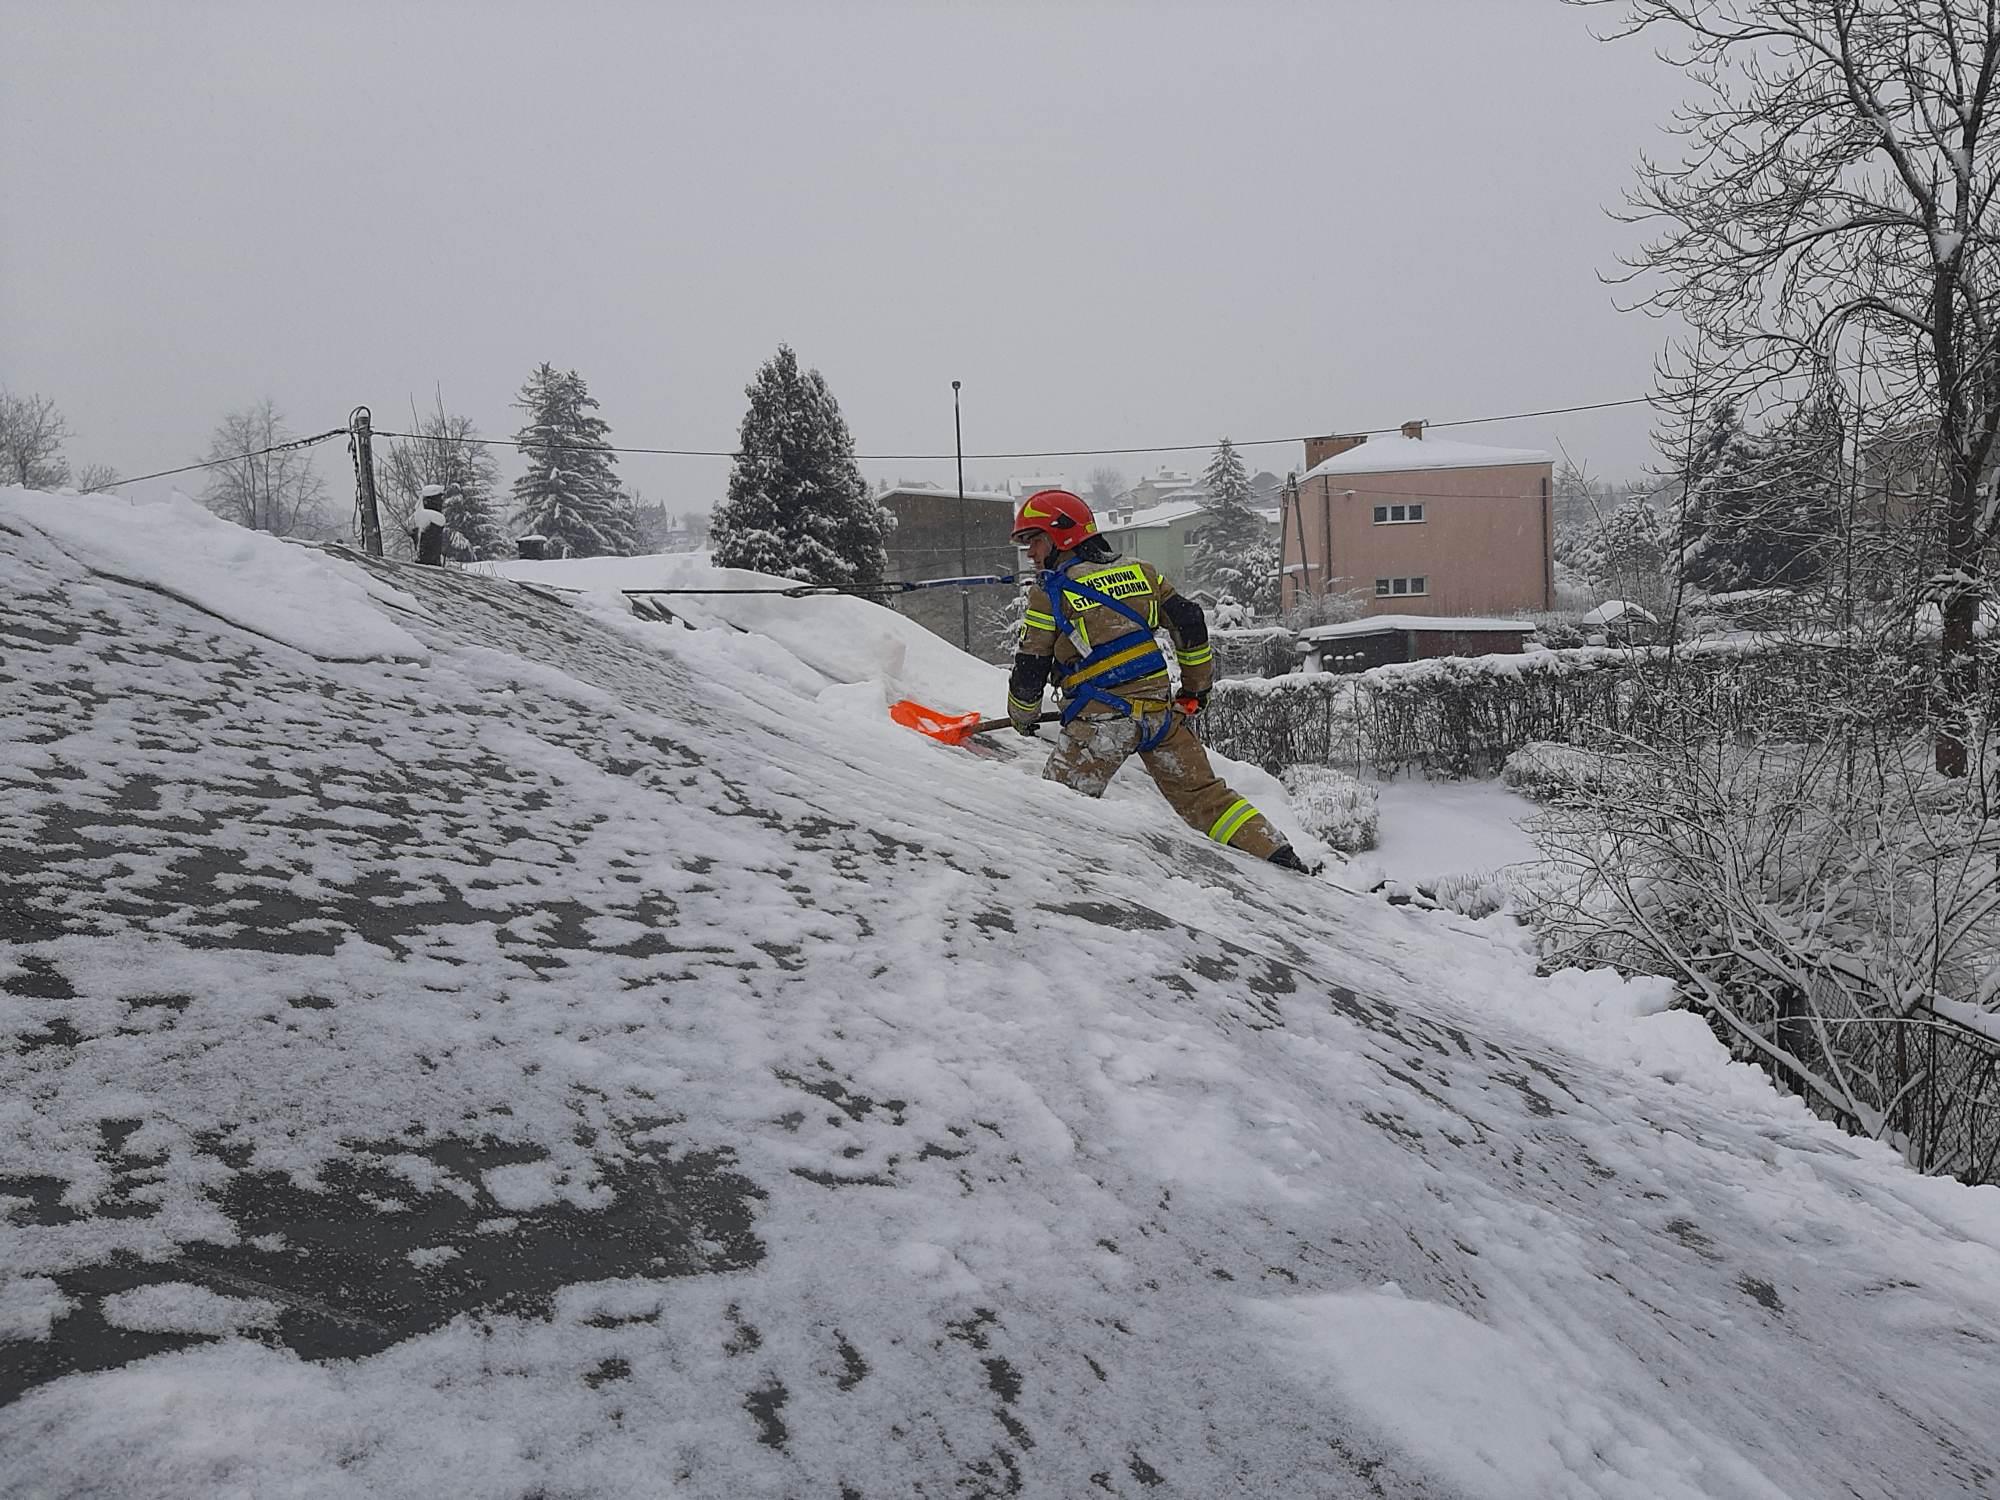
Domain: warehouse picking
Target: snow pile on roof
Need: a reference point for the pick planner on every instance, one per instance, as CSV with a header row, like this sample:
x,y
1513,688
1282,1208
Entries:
x,y
838,640
1401,455
609,1058
289,594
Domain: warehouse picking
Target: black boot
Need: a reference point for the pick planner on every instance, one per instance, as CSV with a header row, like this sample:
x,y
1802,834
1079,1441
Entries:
x,y
1285,857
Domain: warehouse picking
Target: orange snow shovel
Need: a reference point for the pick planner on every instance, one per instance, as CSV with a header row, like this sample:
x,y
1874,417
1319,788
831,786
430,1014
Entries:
x,y
952,729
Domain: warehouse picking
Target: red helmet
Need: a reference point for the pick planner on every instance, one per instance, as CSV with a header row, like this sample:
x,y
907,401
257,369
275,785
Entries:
x,y
1057,514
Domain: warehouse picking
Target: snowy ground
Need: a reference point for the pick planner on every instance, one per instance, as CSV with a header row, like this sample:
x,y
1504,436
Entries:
x,y
463,1042
1432,829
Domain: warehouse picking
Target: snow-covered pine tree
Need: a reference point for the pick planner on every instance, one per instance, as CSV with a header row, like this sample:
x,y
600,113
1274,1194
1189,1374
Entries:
x,y
797,505
1613,545
569,493
1234,554
1633,553
447,451
1760,507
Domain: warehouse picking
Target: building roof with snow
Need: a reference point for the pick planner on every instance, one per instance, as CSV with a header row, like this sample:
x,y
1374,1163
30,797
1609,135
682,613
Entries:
x,y
1618,609
1165,514
938,492
1403,455
1383,624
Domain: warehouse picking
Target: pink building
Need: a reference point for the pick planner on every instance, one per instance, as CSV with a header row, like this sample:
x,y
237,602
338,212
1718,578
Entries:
x,y
1417,526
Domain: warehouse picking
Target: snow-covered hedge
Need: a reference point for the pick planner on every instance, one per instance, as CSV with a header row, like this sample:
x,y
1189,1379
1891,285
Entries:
x,y
1335,808
1456,716
1544,771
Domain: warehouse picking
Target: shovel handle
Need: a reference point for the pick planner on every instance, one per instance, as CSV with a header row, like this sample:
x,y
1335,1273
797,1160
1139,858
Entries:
x,y
985,726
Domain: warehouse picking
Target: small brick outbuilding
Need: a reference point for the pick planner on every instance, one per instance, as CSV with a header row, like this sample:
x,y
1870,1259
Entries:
x,y
1381,640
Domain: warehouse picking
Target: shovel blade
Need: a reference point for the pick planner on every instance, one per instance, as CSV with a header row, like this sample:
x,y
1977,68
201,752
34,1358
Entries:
x,y
952,729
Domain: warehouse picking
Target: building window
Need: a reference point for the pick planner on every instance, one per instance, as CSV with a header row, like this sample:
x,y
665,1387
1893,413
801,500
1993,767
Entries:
x,y
1387,588
1398,515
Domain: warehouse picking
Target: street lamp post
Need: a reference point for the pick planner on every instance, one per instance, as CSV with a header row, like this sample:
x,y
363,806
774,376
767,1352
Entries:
x,y
964,558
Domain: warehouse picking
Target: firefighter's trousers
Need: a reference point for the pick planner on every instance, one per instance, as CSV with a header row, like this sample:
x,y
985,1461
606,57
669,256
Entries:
x,y
1093,747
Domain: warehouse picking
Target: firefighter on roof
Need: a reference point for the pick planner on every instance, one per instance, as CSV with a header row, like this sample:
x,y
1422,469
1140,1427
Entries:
x,y
1091,620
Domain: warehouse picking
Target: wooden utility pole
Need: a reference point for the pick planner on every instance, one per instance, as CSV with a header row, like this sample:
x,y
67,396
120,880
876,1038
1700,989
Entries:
x,y
364,481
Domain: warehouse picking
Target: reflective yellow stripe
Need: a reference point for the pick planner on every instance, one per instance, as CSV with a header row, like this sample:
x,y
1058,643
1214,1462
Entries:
x,y
1036,620
1197,657
1231,822
1024,705
1116,659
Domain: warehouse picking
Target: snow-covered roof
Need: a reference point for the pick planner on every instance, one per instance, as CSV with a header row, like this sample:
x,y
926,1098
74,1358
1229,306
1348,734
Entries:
x,y
1618,609
1385,624
940,492
1166,514
1402,455
1153,515
441,1019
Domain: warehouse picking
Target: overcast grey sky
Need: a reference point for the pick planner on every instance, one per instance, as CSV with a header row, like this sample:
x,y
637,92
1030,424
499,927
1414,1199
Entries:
x,y
1117,224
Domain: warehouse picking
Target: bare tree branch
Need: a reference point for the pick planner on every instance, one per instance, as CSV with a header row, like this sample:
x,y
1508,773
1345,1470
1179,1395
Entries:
x,y
31,442
1838,177
276,492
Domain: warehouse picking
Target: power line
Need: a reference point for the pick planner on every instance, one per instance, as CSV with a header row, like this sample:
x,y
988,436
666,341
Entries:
x,y
307,442
1553,411
1522,416
212,463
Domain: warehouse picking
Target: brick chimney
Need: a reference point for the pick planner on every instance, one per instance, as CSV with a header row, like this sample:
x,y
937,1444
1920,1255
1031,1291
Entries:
x,y
1320,449
1415,430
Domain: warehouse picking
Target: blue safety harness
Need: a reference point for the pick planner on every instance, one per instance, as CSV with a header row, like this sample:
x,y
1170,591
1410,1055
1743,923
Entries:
x,y
1055,584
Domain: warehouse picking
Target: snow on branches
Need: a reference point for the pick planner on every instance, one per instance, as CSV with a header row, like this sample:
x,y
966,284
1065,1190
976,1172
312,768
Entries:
x,y
797,505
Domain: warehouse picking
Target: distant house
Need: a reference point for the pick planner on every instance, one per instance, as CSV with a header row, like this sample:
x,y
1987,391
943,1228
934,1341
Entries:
x,y
1162,535
1020,489
1380,640
926,544
1418,526
1167,487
